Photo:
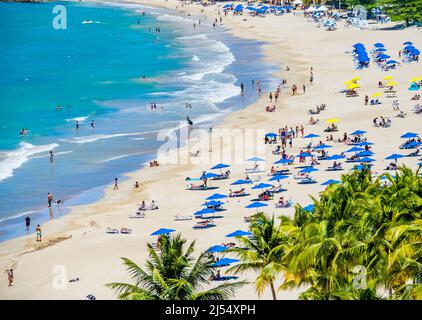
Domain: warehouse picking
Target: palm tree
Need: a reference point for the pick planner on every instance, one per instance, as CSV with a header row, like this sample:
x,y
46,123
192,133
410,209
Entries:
x,y
361,223
173,274
262,252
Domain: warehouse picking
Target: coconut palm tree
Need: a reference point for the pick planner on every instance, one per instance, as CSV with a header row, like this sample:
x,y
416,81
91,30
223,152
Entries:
x,y
359,223
173,274
263,252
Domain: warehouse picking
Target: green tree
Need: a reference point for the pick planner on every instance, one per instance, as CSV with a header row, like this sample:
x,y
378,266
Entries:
x,y
173,274
263,252
403,10
361,224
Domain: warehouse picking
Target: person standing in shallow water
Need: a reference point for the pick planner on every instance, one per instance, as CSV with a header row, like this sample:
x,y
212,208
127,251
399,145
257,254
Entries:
x,y
116,184
49,199
27,223
51,157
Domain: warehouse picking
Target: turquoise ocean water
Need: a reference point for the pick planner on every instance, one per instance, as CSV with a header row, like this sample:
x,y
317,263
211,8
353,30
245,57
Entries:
x,y
97,69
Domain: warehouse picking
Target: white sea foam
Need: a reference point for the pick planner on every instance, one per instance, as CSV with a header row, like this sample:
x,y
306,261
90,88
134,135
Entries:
x,y
121,156
12,160
80,119
195,58
173,18
18,215
96,137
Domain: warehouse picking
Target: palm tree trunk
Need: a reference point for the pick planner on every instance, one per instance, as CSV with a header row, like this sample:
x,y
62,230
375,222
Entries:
x,y
273,290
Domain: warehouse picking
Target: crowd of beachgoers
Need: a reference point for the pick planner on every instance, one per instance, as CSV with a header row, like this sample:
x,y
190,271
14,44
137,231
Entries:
x,y
319,124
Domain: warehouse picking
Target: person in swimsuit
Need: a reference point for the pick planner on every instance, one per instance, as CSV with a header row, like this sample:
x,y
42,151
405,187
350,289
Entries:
x,y
39,233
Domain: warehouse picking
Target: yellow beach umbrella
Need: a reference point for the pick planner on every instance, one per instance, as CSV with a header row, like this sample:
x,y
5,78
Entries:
x,y
388,78
391,83
416,79
376,94
353,86
348,83
356,78
333,120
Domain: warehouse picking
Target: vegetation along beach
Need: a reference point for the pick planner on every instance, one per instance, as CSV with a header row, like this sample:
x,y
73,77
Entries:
x,y
187,150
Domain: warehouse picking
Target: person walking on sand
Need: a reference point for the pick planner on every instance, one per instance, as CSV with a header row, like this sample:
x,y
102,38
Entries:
x,y
304,89
366,100
10,277
27,222
49,199
302,130
116,185
39,233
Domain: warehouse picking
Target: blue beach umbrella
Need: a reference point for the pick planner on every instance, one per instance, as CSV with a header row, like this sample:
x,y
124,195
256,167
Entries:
x,y
204,211
209,175
304,155
308,170
309,208
262,186
365,154
284,161
409,135
383,56
213,203
162,231
394,156
310,136
412,144
391,62
380,49
256,205
216,249
220,166
365,143
256,159
335,157
420,164
238,233
216,196
278,177
366,159
407,43
331,181
359,167
355,149
240,181
271,135
224,262
378,45
322,146
358,132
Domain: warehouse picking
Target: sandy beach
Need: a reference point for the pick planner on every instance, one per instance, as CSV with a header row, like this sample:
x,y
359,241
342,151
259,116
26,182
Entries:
x,y
77,243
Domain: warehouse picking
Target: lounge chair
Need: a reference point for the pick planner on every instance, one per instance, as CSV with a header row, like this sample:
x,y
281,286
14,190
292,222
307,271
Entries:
x,y
413,154
239,193
112,230
307,181
182,218
336,168
125,230
137,214
204,225
277,189
225,278
221,177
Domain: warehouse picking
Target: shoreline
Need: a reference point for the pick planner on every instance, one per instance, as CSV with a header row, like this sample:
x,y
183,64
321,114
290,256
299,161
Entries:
x,y
41,215
83,224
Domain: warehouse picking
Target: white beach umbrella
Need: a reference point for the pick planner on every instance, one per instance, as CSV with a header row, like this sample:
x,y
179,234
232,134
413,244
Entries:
x,y
298,2
311,9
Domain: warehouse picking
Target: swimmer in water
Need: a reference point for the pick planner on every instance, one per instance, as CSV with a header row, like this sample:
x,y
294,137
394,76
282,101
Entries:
x,y
92,124
77,125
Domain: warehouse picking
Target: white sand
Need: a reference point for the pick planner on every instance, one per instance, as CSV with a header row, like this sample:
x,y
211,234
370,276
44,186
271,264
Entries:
x,y
78,241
